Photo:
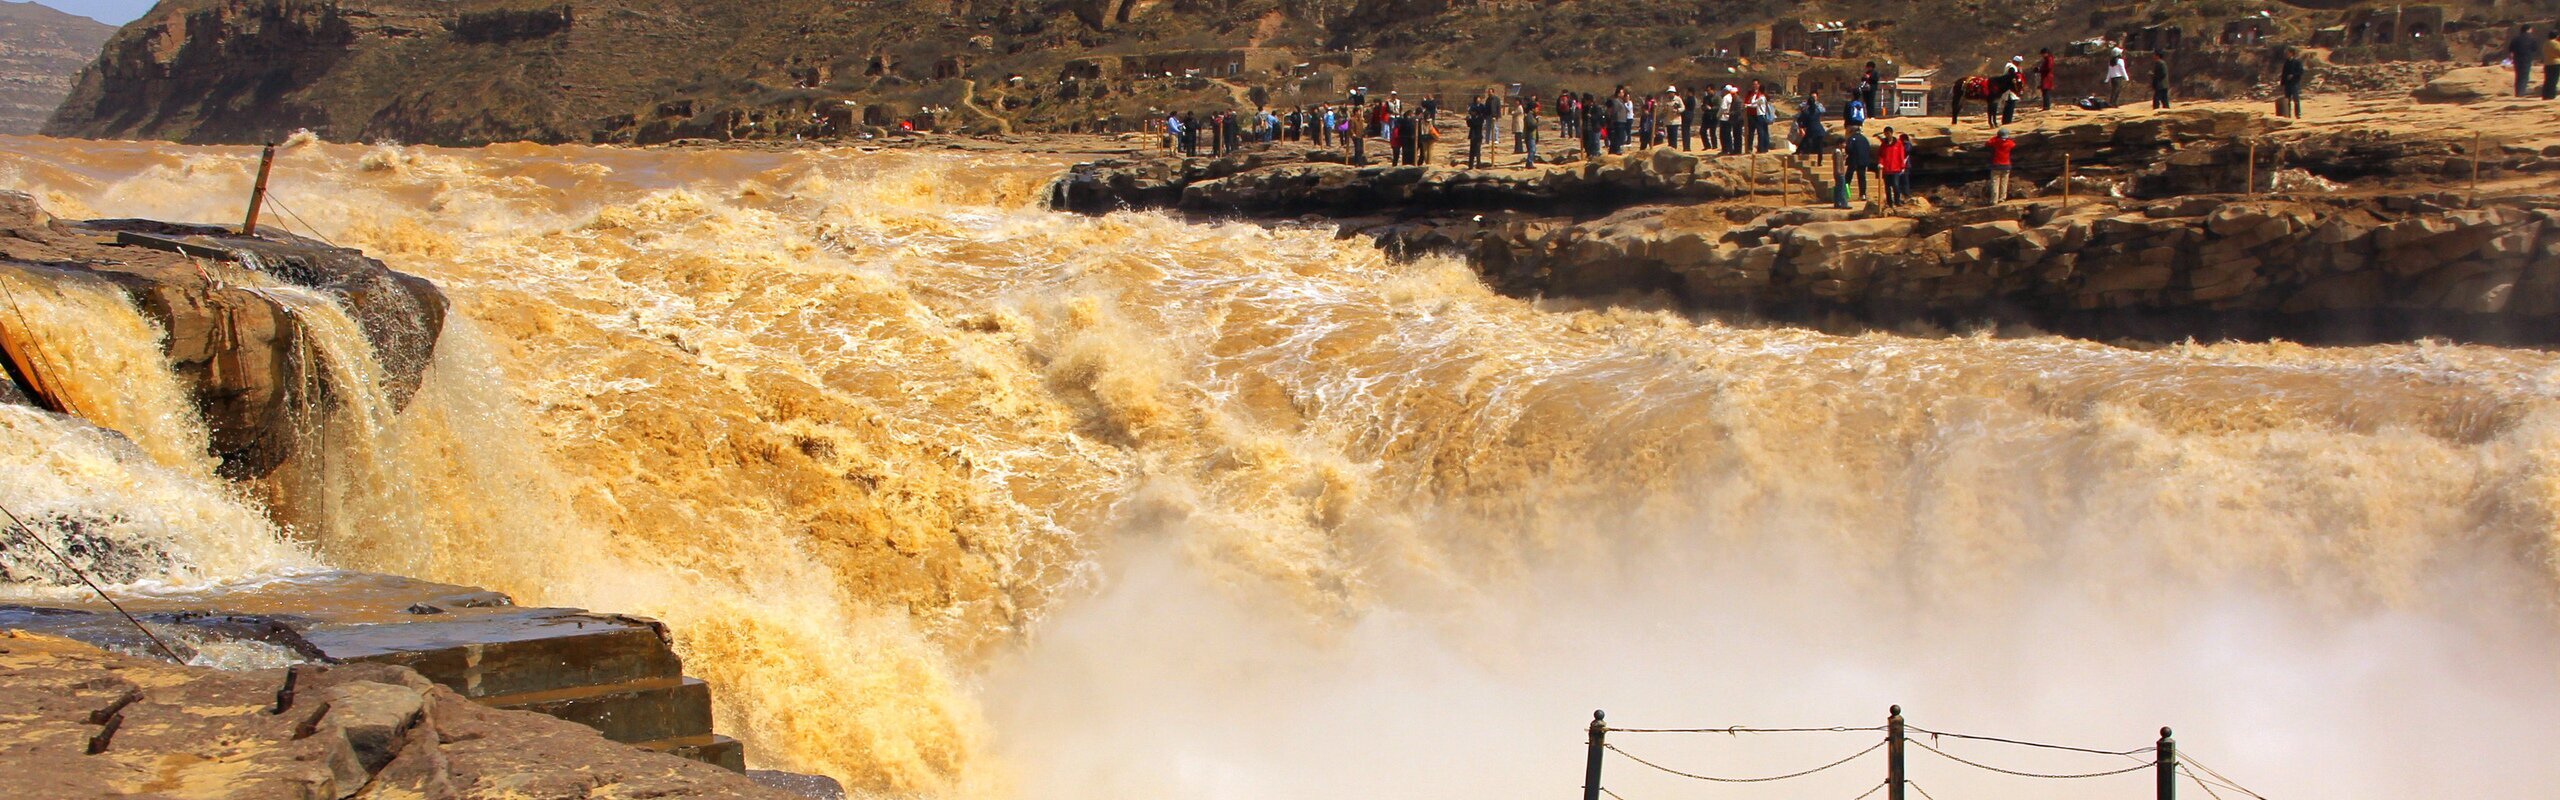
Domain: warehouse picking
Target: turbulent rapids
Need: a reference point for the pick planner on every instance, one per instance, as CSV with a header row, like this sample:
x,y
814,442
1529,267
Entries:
x,y
955,497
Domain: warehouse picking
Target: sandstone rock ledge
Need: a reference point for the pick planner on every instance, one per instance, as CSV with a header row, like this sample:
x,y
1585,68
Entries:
x,y
2308,268
76,721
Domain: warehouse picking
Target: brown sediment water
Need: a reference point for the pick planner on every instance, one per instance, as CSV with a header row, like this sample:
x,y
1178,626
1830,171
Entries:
x,y
951,496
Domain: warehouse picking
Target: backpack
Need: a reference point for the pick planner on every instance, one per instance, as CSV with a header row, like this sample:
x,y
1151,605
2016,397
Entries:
x,y
1857,114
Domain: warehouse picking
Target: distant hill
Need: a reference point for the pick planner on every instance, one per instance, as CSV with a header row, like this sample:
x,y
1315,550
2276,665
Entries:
x,y
475,71
40,51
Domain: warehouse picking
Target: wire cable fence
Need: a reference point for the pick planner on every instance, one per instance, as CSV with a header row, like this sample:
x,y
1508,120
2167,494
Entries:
x,y
2163,759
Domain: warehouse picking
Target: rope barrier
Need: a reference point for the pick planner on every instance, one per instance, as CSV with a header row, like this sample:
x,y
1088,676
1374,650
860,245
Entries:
x,y
1853,757
1612,795
2133,752
30,532
2227,782
2208,788
1915,786
1977,765
1872,791
288,211
1740,730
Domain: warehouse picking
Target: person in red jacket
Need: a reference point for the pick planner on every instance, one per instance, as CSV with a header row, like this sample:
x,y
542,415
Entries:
x,y
2001,147
1894,158
2044,78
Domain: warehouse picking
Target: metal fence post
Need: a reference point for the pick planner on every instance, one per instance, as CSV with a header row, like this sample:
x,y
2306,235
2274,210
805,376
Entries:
x,y
1894,776
2168,766
1591,770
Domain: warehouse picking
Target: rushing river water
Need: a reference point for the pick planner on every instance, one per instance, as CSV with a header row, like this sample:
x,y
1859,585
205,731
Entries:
x,y
951,496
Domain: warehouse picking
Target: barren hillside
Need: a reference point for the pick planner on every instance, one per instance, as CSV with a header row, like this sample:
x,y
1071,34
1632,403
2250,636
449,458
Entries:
x,y
653,70
40,50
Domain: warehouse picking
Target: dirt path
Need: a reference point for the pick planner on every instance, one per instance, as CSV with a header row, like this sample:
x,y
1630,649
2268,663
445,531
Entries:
x,y
969,100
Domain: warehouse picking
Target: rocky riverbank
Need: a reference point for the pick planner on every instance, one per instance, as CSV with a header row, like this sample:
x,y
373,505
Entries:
x,y
241,348
86,722
2209,221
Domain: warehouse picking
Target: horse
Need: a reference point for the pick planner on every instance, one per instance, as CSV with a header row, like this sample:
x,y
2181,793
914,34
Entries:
x,y
1977,87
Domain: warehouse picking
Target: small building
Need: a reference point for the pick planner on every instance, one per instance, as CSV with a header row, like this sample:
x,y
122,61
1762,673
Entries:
x,y
1741,45
1822,39
1912,90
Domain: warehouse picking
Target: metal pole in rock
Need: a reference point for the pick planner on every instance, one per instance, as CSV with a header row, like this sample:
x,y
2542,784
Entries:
x,y
258,193
1894,776
2066,181
1599,741
2168,766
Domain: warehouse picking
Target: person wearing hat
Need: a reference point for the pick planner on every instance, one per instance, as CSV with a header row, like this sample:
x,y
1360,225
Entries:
x,y
2001,148
2013,79
1729,130
2117,76
1675,110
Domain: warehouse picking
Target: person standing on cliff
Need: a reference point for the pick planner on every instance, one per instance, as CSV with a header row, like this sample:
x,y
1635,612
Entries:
x,y
1762,116
1815,138
2117,76
1728,121
1529,131
1861,155
2523,50
1870,85
1895,159
1589,125
1622,128
2551,66
2012,86
2159,81
2001,148
2290,82
1678,114
2044,78
1479,120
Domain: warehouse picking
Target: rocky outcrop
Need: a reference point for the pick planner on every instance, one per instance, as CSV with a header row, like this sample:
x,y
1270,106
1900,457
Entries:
x,y
246,354
40,51
2196,266
78,722
2183,152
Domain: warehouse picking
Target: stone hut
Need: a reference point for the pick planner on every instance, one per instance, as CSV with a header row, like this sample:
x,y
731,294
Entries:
x,y
1822,39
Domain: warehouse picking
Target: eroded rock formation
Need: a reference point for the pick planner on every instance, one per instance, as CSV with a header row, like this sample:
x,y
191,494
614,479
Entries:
x,y
245,354
83,722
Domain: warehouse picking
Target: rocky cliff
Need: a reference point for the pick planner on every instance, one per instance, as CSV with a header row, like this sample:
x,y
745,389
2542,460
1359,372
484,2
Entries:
x,y
645,71
83,722
244,352
41,49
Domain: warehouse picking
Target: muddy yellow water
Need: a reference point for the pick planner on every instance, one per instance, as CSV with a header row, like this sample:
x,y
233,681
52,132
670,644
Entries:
x,y
952,496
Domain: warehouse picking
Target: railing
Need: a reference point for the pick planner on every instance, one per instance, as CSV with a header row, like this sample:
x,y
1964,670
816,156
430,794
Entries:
x,y
2163,758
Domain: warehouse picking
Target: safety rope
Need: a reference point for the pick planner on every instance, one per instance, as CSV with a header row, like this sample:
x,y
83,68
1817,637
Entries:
x,y
1977,765
1739,730
1612,795
288,211
1915,786
1871,792
2134,752
1852,757
2208,788
2227,782
30,532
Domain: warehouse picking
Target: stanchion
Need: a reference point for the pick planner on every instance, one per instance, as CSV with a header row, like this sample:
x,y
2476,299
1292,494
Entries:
x,y
2168,754
2066,181
258,193
1599,745
1894,776
2253,168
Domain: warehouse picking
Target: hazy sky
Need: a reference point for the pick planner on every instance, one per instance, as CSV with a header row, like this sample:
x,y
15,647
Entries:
x,y
112,12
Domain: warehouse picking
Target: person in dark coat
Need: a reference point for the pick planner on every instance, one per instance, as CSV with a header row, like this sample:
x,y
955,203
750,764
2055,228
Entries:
x,y
1861,157
1592,125
2290,80
2524,49
2159,81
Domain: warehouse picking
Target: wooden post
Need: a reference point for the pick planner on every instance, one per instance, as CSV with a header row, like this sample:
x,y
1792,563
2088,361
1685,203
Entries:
x,y
1787,181
2168,766
2253,168
258,193
2475,169
1599,743
1894,776
2066,181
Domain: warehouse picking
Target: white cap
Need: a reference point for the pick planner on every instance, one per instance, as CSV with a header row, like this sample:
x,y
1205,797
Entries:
x,y
2017,59
1674,90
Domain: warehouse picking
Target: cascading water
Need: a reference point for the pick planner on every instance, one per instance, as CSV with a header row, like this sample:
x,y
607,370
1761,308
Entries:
x,y
951,496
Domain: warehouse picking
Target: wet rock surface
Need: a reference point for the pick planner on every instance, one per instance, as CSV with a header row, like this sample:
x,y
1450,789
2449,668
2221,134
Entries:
x,y
244,353
77,721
